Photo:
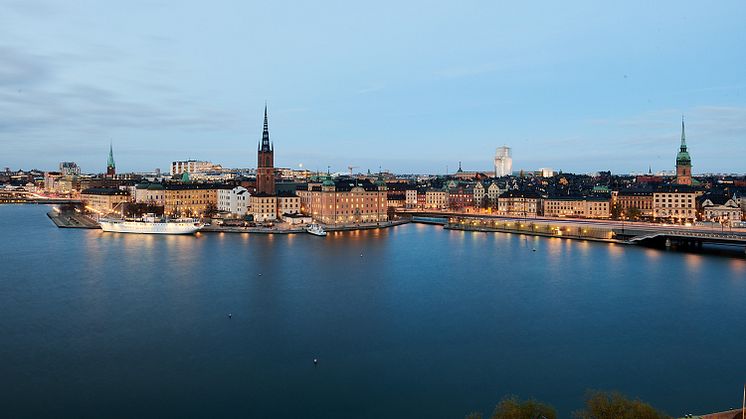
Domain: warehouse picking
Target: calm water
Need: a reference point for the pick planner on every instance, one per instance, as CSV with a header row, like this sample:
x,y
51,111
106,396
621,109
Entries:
x,y
427,323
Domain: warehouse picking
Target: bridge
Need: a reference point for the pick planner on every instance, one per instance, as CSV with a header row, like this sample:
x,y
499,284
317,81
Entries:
x,y
682,237
638,233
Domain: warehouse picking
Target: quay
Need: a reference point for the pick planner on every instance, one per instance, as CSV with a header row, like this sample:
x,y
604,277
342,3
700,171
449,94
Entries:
x,y
301,229
610,231
72,220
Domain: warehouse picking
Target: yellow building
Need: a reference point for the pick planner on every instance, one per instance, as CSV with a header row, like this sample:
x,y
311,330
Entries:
x,y
104,201
583,207
193,200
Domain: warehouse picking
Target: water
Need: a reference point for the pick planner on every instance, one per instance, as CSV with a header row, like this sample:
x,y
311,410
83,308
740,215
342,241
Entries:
x,y
427,323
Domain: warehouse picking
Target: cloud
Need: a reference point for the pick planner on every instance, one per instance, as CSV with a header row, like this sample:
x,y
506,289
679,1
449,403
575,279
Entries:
x,y
33,99
19,69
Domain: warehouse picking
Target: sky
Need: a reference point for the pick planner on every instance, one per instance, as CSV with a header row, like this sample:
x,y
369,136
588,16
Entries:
x,y
410,87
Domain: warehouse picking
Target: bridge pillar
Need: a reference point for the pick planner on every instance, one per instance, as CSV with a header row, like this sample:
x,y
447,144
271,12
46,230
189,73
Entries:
x,y
668,243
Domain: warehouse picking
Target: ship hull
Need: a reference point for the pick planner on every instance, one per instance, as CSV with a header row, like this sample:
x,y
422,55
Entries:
x,y
150,228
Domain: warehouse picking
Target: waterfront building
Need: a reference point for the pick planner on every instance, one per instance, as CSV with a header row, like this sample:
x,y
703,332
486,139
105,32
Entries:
x,y
461,196
480,194
410,198
190,199
503,161
486,193
517,203
234,201
683,161
493,193
104,200
436,199
582,207
150,193
345,201
635,203
111,167
396,201
720,208
675,203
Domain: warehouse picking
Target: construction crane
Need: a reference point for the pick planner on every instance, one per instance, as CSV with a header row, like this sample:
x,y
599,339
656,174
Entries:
x,y
350,168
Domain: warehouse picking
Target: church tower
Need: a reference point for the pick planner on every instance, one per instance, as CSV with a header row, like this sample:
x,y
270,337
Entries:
x,y
111,168
683,161
265,169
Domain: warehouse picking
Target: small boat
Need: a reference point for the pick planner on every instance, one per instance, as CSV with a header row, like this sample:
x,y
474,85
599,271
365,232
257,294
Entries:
x,y
150,224
316,230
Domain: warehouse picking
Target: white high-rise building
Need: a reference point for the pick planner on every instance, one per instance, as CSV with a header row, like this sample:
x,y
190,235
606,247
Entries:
x,y
503,161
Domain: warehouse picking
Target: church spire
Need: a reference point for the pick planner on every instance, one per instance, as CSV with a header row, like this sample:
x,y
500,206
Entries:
x,y
110,160
683,135
265,145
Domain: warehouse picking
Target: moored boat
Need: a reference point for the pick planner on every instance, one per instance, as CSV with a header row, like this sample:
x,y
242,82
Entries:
x,y
150,224
316,230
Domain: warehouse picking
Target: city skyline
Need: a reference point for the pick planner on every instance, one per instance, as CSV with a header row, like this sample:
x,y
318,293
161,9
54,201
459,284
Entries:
x,y
559,98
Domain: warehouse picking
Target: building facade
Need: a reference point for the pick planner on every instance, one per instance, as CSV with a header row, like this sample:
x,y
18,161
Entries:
x,y
520,204
436,199
234,201
180,167
719,208
676,204
635,203
104,201
582,207
345,201
150,193
192,200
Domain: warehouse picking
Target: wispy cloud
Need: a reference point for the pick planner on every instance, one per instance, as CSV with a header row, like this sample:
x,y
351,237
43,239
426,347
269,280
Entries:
x,y
29,102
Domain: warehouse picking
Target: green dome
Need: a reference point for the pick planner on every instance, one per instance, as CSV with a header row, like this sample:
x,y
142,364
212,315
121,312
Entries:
x,y
328,182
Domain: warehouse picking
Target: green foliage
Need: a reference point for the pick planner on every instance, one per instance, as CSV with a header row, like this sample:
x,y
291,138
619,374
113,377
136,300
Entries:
x,y
614,405
512,408
634,213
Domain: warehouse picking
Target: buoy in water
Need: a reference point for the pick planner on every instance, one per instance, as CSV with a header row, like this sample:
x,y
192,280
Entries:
x,y
230,316
533,250
315,361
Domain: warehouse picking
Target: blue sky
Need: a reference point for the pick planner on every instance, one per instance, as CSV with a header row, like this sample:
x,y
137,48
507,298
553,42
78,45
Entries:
x,y
408,86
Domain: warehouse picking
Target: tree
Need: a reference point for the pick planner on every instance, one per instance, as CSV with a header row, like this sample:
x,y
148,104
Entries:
x,y
211,209
634,213
614,405
616,211
512,408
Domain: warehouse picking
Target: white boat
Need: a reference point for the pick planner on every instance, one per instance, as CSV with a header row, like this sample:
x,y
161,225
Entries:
x,y
316,230
150,224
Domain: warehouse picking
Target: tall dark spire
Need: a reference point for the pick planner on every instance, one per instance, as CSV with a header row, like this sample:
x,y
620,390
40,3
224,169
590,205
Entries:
x,y
265,145
683,135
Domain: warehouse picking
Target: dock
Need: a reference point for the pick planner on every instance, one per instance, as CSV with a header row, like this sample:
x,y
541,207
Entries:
x,y
72,220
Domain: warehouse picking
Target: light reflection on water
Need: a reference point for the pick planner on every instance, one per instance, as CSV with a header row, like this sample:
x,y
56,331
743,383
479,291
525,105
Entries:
x,y
422,309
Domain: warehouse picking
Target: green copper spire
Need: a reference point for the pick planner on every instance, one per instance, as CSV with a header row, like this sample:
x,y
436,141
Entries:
x,y
110,161
683,158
